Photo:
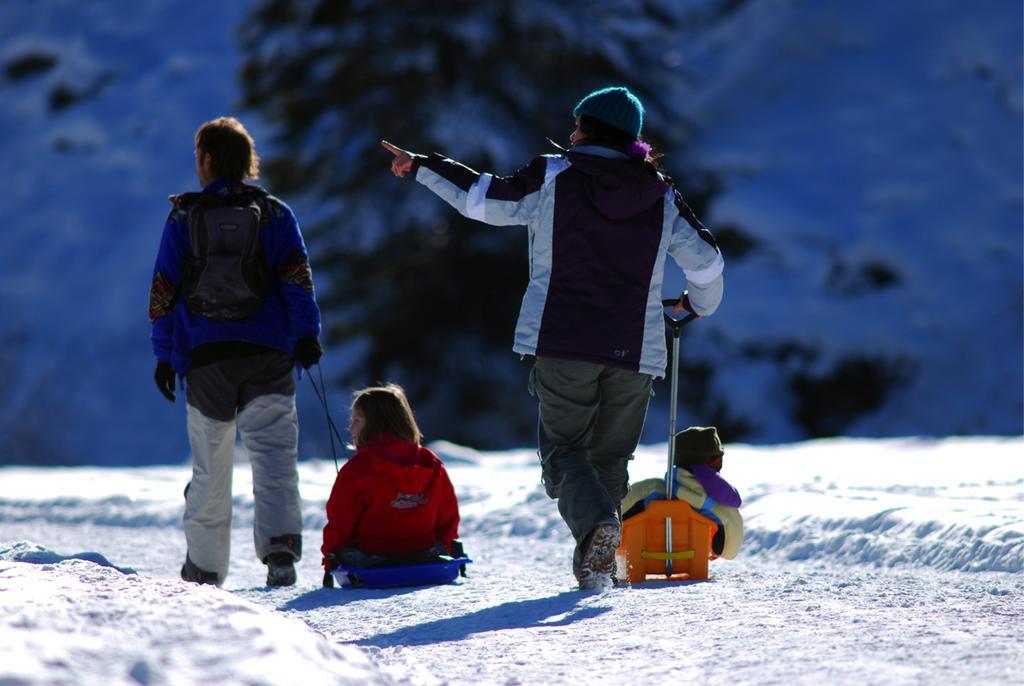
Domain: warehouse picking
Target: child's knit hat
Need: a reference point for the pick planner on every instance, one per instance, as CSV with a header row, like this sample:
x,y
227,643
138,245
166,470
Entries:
x,y
699,445
615,106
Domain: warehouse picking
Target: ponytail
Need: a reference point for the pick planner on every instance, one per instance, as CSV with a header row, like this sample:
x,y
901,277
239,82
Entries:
x,y
607,136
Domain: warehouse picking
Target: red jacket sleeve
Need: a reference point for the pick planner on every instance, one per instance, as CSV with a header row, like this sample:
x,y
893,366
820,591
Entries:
x,y
447,528
343,510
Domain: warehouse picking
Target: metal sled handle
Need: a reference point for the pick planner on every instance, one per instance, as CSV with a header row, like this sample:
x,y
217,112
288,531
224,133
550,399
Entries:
x,y
677,324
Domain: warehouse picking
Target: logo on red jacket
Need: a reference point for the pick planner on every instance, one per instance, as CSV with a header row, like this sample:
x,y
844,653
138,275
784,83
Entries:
x,y
405,501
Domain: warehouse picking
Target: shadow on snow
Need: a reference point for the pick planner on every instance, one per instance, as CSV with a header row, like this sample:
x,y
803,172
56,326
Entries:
x,y
551,611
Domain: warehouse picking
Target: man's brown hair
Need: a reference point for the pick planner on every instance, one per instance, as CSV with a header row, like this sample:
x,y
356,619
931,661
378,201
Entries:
x,y
386,411
232,148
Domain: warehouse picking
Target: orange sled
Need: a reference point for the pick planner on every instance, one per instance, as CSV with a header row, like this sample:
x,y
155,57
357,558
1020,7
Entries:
x,y
646,549
645,552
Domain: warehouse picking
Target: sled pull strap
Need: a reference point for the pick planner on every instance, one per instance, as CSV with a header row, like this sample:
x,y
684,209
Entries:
x,y
678,555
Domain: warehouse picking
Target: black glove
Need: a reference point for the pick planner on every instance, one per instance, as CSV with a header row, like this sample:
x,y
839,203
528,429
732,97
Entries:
x,y
164,377
308,351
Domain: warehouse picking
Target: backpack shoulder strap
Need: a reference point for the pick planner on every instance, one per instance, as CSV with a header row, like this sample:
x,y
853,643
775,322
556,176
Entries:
x,y
182,202
242,193
270,207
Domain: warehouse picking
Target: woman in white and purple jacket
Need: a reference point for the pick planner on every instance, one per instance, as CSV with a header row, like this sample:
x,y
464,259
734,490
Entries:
x,y
601,220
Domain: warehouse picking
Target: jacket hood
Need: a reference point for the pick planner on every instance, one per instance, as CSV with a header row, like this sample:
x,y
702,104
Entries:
x,y
619,187
408,466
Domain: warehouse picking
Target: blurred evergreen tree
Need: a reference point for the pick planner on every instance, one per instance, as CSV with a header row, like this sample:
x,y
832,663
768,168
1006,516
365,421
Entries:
x,y
415,293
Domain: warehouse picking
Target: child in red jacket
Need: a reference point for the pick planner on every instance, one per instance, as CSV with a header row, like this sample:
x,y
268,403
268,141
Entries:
x,y
392,502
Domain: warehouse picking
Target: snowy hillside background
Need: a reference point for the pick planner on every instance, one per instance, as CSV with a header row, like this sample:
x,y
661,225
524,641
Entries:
x,y
863,165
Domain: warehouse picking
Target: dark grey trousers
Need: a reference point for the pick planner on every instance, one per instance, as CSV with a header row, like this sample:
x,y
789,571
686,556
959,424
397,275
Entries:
x,y
591,418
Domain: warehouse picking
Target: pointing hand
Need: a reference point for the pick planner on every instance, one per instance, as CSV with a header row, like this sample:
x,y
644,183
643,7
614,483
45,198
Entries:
x,y
402,163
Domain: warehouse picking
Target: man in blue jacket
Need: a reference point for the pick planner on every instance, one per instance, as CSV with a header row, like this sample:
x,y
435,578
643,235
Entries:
x,y
233,310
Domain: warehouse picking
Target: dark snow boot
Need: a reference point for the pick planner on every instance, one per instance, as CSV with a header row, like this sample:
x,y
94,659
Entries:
x,y
280,569
190,572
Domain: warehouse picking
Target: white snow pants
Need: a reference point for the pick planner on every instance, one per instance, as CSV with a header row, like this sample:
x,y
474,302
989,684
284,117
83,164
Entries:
x,y
268,426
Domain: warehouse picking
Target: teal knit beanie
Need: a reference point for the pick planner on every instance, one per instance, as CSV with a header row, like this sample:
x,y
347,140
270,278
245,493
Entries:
x,y
615,106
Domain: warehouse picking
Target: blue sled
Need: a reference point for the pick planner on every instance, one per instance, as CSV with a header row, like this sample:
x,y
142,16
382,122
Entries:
x,y
426,573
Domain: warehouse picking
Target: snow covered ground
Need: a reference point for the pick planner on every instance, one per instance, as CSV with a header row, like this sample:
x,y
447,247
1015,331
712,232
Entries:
x,y
866,562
